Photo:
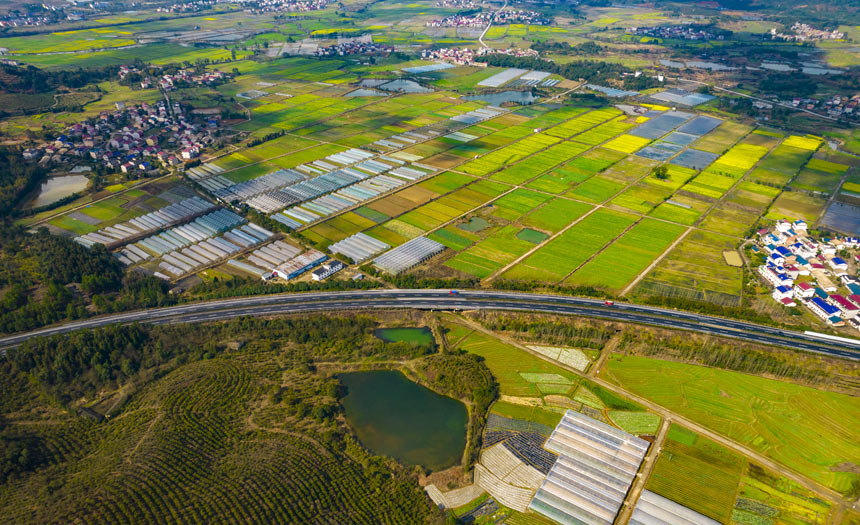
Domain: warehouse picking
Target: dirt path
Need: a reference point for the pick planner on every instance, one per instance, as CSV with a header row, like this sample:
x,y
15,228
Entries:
x,y
644,473
481,38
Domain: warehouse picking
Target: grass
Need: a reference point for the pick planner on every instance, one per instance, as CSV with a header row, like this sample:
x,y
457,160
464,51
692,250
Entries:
x,y
697,473
805,429
510,365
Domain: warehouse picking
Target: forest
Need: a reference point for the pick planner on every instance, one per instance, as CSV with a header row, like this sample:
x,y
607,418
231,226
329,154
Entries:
x,y
218,411
49,278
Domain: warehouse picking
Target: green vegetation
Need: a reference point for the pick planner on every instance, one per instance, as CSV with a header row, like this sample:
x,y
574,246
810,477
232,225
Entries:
x,y
697,472
203,428
806,429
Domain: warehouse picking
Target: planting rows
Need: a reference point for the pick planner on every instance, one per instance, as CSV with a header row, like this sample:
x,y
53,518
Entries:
x,y
627,257
560,256
806,429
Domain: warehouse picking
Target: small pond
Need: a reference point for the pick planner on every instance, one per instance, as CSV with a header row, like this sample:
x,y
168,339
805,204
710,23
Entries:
x,y
414,336
365,92
497,99
56,188
395,417
405,86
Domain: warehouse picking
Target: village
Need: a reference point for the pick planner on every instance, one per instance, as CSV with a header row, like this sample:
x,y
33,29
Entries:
x,y
258,7
353,47
497,17
806,33
465,57
815,273
679,32
130,139
182,78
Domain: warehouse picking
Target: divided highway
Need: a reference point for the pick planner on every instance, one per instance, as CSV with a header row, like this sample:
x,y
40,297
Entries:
x,y
224,309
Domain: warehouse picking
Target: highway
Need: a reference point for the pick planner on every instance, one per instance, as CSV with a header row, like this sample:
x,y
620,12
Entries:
x,y
223,309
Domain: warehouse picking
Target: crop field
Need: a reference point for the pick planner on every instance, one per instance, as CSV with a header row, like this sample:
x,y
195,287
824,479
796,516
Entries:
x,y
820,176
738,160
581,123
560,256
740,208
509,154
505,245
806,429
796,205
627,143
638,423
596,189
603,132
808,142
722,138
785,159
628,256
539,163
641,197
695,269
765,498
555,215
697,473
435,213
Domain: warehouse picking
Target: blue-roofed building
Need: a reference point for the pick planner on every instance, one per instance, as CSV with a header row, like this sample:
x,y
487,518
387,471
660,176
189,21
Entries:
x,y
835,321
838,263
819,307
782,292
855,288
821,293
782,250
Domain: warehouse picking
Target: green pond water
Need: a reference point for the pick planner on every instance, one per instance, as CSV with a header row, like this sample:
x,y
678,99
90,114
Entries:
x,y
392,416
415,336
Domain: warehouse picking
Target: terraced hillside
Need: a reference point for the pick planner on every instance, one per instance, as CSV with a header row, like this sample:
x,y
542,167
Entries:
x,y
246,436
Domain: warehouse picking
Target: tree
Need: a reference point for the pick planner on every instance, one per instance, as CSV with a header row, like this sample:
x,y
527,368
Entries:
x,y
661,172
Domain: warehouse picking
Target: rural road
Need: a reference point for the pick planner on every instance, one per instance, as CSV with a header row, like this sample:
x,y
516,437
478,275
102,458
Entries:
x,y
481,38
278,304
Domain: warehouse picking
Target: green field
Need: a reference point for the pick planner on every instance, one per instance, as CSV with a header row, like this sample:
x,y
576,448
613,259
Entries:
x,y
697,473
808,430
628,256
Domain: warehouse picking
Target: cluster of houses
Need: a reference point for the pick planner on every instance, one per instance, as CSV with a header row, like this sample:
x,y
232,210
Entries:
x,y
353,47
182,78
806,33
131,138
496,17
258,7
679,32
810,272
466,56
187,7
836,106
456,4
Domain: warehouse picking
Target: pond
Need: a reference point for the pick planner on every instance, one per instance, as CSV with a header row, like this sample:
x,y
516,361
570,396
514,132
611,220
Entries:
x,y
395,417
497,99
415,336
56,188
843,218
